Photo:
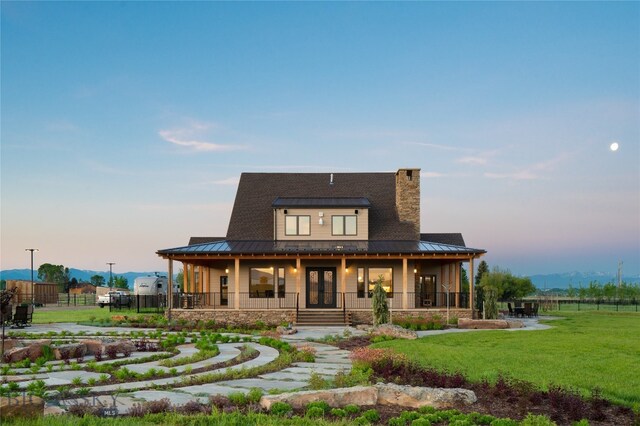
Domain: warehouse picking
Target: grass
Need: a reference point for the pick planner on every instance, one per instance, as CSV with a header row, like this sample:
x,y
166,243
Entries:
x,y
76,315
583,351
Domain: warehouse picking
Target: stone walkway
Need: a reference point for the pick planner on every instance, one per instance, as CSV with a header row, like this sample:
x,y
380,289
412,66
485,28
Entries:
x,y
329,361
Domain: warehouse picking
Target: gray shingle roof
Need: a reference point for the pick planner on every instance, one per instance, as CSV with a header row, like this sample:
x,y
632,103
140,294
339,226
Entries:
x,y
252,215
444,238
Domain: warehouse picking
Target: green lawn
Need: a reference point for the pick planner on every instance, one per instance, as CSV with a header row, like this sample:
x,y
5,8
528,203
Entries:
x,y
583,351
76,314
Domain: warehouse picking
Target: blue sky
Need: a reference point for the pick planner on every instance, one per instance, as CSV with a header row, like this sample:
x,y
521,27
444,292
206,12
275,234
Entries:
x,y
125,126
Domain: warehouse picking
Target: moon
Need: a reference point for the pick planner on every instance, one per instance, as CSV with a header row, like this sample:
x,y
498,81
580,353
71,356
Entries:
x,y
614,146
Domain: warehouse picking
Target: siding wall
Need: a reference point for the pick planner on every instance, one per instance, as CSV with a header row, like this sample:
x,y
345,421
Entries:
x,y
323,232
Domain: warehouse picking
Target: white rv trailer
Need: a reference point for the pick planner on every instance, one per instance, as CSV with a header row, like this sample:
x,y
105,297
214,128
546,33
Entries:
x,y
152,285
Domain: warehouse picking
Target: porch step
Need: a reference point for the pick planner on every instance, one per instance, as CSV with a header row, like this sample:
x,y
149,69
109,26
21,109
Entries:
x,y
323,318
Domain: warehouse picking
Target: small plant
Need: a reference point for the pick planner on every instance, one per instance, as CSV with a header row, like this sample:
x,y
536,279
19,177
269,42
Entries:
x,y
314,412
338,412
533,420
254,395
91,381
317,382
76,380
37,388
237,398
103,377
82,391
111,351
371,415
352,409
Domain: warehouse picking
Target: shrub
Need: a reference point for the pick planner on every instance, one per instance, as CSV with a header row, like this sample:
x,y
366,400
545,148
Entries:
x,y
421,422
237,398
83,409
314,412
254,395
338,412
352,409
533,420
111,351
583,422
409,416
280,408
379,304
371,415
320,404
504,422
218,401
396,421
317,382
192,407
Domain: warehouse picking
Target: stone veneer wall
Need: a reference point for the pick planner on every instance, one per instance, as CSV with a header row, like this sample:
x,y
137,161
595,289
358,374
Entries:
x,y
234,317
277,317
408,198
366,317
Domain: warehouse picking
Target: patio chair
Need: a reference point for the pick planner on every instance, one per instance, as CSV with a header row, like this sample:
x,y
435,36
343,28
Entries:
x,y
511,314
528,310
23,316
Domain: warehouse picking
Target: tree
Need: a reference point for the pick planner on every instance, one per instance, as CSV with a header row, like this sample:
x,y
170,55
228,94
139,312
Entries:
x,y
120,282
97,280
490,303
51,273
379,303
507,286
483,268
180,279
464,281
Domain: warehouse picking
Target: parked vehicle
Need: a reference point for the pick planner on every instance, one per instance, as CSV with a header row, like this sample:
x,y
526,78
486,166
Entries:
x,y
152,285
116,298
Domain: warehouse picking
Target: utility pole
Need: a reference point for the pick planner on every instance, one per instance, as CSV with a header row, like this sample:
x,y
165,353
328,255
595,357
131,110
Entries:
x,y
110,273
32,286
620,274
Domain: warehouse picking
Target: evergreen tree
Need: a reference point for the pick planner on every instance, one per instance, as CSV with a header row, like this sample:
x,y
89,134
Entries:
x,y
379,304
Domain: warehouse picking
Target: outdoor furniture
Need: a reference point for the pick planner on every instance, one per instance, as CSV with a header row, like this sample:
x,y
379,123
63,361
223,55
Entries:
x,y
511,314
536,306
528,309
519,311
23,316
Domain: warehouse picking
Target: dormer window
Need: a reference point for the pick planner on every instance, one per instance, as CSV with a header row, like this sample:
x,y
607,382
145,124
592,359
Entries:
x,y
297,225
344,225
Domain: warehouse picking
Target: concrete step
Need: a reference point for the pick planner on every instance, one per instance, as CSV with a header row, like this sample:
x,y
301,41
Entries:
x,y
322,318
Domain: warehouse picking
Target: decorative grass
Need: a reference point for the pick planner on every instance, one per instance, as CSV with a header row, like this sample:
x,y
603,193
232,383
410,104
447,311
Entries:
x,y
72,314
583,351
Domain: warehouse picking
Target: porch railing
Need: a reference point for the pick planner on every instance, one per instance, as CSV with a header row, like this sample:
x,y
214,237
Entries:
x,y
344,301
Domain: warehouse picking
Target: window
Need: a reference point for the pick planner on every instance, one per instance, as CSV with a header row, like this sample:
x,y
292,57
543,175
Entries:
x,y
297,225
261,282
344,225
281,282
387,279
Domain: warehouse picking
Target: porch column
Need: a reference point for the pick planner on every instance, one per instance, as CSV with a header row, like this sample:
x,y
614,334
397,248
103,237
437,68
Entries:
x,y
207,286
458,265
298,273
343,276
236,272
471,286
451,286
170,289
404,283
192,279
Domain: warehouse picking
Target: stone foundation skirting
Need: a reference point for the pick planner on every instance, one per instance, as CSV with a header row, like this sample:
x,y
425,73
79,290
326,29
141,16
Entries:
x,y
274,317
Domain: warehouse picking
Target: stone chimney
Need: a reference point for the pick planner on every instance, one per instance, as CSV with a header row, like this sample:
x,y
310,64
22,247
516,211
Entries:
x,y
408,198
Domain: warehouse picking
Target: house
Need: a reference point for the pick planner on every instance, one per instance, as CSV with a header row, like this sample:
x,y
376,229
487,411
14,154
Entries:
x,y
310,247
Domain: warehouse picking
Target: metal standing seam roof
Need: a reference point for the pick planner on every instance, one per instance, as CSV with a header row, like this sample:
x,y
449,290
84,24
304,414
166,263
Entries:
x,y
360,202
321,247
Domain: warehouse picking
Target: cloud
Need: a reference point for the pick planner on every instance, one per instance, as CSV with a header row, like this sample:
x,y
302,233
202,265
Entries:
x,y
228,181
531,172
190,136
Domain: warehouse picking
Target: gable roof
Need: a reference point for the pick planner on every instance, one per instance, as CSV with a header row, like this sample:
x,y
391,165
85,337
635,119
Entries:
x,y
252,215
454,239
201,240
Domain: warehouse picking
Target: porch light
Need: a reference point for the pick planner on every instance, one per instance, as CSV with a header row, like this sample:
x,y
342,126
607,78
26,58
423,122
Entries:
x,y
226,270
295,269
321,221
346,269
415,270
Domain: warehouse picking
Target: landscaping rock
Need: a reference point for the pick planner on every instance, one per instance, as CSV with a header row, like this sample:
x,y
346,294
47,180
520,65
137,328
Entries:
x,y
479,324
359,395
27,406
394,331
126,346
285,330
11,343
35,348
415,397
94,346
69,351
515,324
16,354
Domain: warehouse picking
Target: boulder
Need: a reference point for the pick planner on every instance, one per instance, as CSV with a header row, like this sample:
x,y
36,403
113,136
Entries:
x,y
358,395
11,343
394,331
21,406
415,396
479,324
69,351
515,324
16,354
285,330
94,346
35,348
126,346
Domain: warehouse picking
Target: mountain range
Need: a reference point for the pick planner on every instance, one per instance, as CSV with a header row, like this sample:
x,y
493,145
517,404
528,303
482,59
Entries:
x,y
79,274
541,281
